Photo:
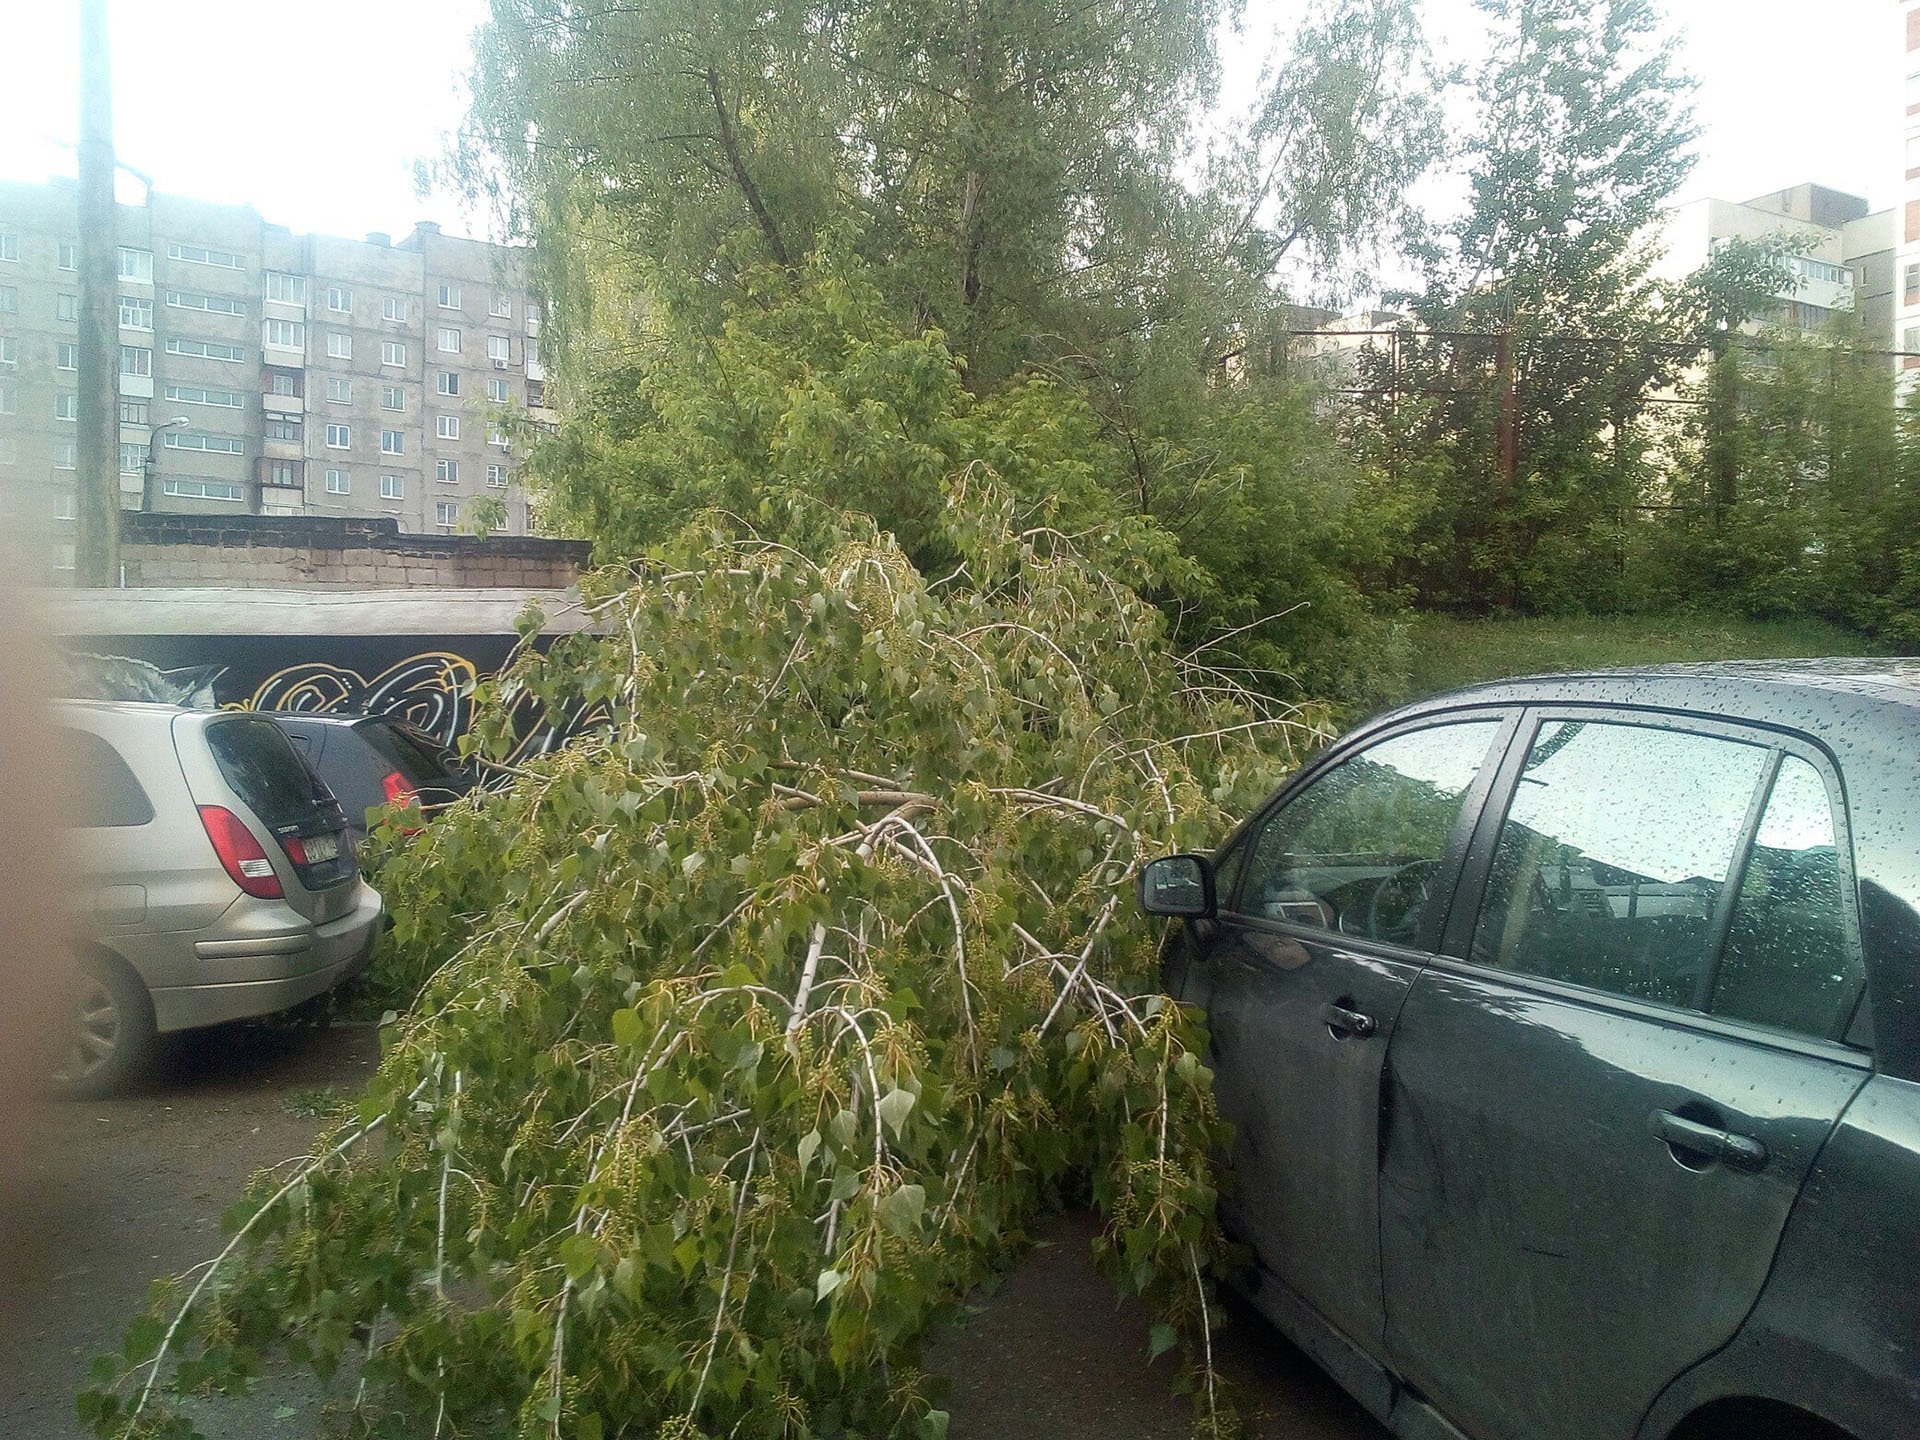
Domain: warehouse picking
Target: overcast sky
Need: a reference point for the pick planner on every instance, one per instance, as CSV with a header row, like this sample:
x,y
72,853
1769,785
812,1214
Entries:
x,y
316,112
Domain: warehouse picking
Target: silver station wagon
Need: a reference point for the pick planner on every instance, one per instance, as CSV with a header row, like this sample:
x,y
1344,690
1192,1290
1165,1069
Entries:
x,y
215,879
1570,1035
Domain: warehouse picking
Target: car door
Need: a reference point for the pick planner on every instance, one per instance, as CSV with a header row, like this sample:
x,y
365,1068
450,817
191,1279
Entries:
x,y
1604,1097
1329,907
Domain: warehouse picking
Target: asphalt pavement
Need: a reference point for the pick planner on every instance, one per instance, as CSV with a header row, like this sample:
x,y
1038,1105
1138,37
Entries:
x,y
132,1188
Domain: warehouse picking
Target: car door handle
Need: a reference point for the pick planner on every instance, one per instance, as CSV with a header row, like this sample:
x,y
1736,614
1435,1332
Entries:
x,y
1344,1022
1740,1151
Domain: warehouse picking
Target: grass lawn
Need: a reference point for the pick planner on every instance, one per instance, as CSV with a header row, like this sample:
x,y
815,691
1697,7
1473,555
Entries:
x,y
1448,652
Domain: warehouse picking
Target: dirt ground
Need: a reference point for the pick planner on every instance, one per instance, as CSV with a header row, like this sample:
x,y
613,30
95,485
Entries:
x,y
132,1188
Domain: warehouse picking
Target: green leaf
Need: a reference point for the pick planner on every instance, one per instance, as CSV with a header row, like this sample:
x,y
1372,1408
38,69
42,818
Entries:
x,y
893,1108
829,1281
809,1147
627,1027
1161,1339
579,1253
901,1210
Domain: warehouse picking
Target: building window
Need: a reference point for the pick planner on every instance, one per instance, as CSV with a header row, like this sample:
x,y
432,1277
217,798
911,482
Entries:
x,y
9,350
339,390
283,475
497,390
201,395
7,401
498,351
200,440
135,314
284,334
133,459
212,304
65,407
193,488
9,245
339,482
66,307
69,255
392,397
447,382
9,450
133,412
533,318
200,255
136,360
66,356
446,470
536,393
205,349
392,307
1910,286
393,442
392,352
10,302
136,265
501,308
281,427
66,455
339,346
497,437
497,476
279,382
63,505
449,340
447,427
449,297
340,299
446,514
288,289
339,437
393,487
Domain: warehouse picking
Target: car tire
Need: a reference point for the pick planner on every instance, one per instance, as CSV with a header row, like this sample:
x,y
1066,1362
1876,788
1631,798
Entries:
x,y
108,1031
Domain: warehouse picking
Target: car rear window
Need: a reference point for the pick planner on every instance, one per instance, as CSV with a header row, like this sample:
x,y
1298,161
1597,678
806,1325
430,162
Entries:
x,y
104,791
416,763
257,760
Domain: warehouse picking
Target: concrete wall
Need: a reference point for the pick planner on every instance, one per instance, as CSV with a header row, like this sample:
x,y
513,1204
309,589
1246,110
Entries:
x,y
269,552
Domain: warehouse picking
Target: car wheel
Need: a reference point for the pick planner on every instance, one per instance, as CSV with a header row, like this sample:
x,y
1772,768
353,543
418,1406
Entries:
x,y
108,1036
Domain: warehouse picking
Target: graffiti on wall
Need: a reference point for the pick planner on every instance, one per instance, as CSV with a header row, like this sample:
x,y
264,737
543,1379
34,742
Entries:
x,y
431,689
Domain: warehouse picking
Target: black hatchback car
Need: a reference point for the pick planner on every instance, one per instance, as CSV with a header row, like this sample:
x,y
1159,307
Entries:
x,y
1569,1032
371,761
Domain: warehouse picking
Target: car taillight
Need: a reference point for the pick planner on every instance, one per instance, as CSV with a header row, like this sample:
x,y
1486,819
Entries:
x,y
240,853
399,791
295,847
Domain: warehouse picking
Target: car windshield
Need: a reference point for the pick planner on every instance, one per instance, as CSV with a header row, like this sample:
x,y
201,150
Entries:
x,y
257,760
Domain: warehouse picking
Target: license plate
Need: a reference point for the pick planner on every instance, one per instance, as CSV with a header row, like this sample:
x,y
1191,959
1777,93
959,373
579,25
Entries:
x,y
322,848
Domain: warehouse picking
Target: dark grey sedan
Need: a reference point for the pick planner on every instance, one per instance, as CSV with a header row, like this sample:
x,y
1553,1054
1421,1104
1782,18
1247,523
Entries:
x,y
1570,1035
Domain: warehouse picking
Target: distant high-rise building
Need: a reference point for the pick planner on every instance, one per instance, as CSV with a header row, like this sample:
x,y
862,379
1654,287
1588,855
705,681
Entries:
x,y
267,372
1906,299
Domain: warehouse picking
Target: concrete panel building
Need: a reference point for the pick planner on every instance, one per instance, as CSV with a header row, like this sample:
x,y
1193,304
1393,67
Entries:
x,y
265,372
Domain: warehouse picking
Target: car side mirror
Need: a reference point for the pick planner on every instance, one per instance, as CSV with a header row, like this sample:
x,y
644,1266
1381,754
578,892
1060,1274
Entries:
x,y
1178,885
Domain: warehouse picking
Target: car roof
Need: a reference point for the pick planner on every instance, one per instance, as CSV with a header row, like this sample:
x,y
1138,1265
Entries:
x,y
119,707
328,717
1792,692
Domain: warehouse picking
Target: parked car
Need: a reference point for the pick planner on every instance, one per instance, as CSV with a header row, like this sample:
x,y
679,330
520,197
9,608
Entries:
x,y
214,879
371,761
1569,1028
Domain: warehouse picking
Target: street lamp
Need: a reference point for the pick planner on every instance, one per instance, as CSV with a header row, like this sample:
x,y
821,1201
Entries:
x,y
146,466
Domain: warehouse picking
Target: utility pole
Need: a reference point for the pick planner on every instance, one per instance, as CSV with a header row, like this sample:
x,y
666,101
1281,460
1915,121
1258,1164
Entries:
x,y
97,509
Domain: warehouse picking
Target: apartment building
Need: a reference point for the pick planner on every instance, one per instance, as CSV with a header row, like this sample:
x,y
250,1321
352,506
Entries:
x,y
267,372
1842,259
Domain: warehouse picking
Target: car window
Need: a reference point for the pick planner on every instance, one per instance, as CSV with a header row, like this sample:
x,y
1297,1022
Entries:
x,y
1790,960
401,752
1613,854
104,791
1358,848
259,762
